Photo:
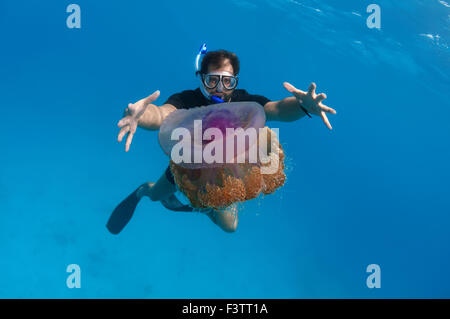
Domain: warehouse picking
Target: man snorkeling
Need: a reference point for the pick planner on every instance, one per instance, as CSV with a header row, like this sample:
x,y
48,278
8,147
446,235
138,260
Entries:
x,y
218,76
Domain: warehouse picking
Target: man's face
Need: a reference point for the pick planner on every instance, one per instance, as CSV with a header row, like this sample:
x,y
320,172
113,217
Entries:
x,y
219,90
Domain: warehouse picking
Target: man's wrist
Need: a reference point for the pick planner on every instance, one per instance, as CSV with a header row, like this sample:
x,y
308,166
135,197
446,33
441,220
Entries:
x,y
304,109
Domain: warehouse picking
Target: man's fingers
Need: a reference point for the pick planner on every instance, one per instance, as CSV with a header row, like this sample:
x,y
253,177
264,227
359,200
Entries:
x,y
128,109
124,121
321,97
128,143
325,120
152,97
312,89
289,87
122,133
327,109
297,93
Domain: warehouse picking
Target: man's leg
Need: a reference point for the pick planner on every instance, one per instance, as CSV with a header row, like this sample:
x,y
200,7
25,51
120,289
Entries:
x,y
159,191
164,191
227,218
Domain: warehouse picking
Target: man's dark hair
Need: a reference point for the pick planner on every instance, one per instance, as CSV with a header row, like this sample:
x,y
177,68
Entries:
x,y
216,59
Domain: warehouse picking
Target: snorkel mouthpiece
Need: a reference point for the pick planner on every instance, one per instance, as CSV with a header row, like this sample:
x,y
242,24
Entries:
x,y
217,99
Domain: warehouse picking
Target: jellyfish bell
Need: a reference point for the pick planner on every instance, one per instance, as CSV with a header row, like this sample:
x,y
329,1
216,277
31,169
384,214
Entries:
x,y
191,130
222,153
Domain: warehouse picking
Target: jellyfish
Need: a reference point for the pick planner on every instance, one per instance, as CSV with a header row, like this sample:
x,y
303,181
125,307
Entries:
x,y
222,154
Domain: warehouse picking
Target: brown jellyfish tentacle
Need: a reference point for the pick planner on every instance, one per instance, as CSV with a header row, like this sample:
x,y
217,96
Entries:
x,y
232,191
277,179
253,181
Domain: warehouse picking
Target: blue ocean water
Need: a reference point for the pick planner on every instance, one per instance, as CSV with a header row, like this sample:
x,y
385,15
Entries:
x,y
374,190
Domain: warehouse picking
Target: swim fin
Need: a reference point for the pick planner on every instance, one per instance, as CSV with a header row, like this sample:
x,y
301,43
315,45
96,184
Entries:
x,y
123,213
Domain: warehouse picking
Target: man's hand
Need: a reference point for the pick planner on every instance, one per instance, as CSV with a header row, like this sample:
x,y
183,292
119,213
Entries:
x,y
311,102
129,122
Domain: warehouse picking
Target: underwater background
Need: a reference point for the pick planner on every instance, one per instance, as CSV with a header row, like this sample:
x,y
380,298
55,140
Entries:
x,y
374,190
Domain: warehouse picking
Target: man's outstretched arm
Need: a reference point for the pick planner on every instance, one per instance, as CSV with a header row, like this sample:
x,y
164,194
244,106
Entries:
x,y
285,110
294,108
154,115
144,114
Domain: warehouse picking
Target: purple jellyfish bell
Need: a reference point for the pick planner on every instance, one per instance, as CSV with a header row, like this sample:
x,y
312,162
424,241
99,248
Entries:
x,y
193,130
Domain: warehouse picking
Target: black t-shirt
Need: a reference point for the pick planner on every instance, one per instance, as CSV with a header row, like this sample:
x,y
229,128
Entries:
x,y
193,98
